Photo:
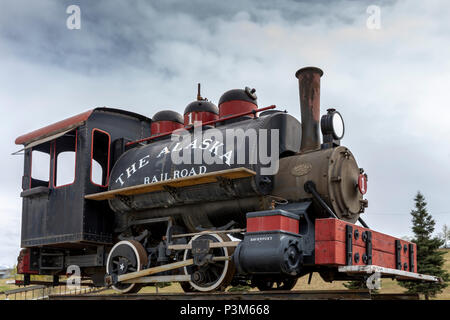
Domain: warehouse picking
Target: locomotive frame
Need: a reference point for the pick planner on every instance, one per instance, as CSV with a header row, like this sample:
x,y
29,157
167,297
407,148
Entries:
x,y
208,230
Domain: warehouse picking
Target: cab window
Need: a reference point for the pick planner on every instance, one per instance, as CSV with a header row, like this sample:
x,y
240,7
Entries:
x,y
40,165
64,149
100,157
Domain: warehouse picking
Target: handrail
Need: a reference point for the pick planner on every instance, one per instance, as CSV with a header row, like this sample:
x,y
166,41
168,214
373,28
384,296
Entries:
x,y
203,124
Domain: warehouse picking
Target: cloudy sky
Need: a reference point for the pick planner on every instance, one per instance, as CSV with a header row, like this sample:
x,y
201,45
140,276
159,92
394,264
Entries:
x,y
391,84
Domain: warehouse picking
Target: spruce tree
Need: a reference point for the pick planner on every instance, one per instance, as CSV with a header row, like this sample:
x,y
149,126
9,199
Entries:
x,y
430,259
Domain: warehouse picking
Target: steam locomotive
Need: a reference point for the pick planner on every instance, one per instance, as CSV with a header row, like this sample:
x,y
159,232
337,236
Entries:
x,y
194,200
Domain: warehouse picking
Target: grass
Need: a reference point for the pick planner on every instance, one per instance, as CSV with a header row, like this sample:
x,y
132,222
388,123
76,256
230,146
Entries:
x,y
387,286
4,286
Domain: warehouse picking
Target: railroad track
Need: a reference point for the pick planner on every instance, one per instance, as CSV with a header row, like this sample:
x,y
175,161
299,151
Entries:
x,y
251,295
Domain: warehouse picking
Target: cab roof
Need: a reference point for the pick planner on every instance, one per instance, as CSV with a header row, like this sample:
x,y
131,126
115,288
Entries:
x,y
70,124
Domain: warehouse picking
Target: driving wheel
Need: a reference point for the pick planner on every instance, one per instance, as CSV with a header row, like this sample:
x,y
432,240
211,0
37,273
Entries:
x,y
125,257
213,275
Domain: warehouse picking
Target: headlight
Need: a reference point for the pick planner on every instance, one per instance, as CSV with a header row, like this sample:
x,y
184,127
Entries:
x,y
332,124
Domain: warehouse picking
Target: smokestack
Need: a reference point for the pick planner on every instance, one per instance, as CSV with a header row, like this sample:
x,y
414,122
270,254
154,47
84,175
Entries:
x,y
309,87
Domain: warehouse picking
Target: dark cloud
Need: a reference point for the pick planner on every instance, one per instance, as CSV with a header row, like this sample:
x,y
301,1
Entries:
x,y
118,34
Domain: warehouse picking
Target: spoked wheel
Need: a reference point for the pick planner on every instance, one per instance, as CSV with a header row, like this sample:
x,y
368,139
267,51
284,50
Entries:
x,y
212,276
272,285
125,257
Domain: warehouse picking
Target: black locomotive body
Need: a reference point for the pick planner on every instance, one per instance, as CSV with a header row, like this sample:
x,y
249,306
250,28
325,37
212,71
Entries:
x,y
217,213
215,205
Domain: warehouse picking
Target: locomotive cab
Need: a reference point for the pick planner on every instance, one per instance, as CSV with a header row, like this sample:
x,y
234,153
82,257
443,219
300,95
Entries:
x,y
62,163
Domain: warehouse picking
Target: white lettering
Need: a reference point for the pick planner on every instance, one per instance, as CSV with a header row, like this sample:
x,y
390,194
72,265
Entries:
x,y
120,179
175,148
206,143
193,145
227,156
130,170
214,148
143,162
165,150
194,310
184,173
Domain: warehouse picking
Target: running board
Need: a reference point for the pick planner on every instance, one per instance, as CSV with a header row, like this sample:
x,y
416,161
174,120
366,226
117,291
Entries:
x,y
398,274
210,177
